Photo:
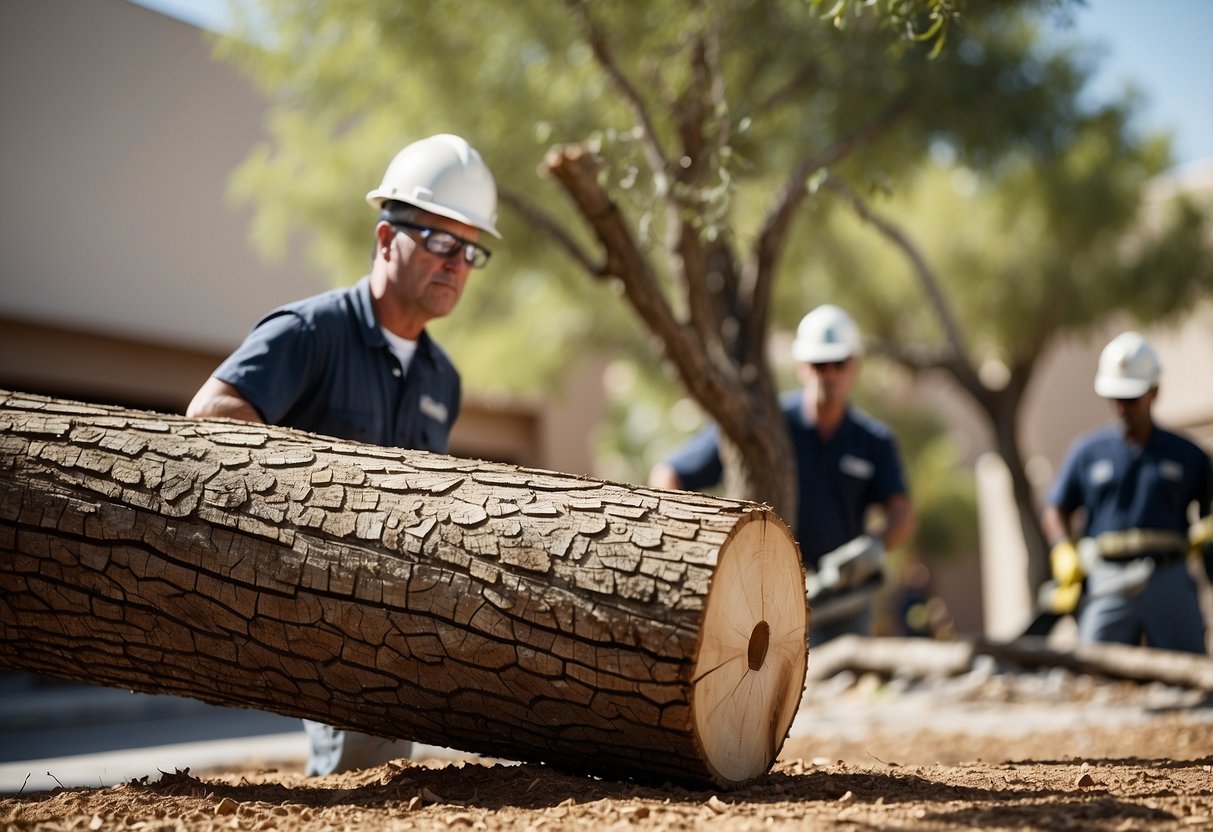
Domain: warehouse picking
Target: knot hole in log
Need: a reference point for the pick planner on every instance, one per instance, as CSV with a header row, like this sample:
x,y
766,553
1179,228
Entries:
x,y
760,640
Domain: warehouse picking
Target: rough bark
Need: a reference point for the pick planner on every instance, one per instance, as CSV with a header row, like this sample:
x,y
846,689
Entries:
x,y
508,611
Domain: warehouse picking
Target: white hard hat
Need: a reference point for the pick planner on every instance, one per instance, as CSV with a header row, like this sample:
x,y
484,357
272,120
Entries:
x,y
1128,367
444,175
826,334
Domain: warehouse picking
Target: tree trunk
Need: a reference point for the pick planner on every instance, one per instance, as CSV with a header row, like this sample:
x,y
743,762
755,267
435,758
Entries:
x,y
502,610
1006,429
761,467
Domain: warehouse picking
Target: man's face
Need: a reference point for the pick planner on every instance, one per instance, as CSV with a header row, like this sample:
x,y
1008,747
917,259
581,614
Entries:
x,y
424,283
831,380
1134,414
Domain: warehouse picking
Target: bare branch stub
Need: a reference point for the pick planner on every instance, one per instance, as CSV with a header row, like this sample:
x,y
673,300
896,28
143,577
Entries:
x,y
548,224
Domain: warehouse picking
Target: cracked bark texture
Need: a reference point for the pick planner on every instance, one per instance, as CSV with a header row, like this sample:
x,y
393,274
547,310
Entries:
x,y
507,611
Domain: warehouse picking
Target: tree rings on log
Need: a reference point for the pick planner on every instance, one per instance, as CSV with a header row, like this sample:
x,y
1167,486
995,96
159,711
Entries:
x,y
750,670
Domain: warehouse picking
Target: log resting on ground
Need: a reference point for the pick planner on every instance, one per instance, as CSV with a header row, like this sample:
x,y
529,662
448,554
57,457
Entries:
x,y
511,612
925,658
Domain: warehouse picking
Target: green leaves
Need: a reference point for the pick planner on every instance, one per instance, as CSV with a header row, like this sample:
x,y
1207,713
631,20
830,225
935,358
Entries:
x,y
922,21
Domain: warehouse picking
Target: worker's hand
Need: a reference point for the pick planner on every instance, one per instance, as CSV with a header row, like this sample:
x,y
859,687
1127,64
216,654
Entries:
x,y
1200,535
1061,594
1063,558
1200,541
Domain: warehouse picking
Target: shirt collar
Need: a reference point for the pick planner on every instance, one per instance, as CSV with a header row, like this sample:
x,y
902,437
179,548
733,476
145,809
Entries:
x,y
809,421
368,324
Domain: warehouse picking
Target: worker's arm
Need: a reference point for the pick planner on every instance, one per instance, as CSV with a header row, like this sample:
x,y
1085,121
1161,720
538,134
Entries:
x,y
218,398
664,476
900,521
1056,525
1200,541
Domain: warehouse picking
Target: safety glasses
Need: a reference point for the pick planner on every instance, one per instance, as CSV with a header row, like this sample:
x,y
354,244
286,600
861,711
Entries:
x,y
837,366
446,244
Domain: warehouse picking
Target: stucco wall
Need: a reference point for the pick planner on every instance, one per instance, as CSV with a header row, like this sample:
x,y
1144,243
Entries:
x,y
119,133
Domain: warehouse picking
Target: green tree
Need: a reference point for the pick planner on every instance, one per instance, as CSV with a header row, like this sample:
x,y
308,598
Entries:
x,y
686,135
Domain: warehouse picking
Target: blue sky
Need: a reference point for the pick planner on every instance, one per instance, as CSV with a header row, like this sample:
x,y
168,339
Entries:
x,y
1165,49
1162,47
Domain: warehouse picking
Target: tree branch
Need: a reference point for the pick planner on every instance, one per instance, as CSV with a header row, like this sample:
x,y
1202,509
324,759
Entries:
x,y
790,91
710,281
926,280
597,40
577,172
537,217
706,376
760,273
916,358
919,358
704,124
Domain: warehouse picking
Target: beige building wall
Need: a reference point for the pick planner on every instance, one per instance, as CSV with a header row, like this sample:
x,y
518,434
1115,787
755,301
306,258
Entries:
x,y
119,133
126,274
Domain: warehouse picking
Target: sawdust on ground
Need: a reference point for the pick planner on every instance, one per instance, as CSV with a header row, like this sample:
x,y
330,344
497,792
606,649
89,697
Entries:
x,y
992,760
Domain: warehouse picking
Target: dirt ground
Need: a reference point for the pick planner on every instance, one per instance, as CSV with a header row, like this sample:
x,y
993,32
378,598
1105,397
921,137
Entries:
x,y
1048,751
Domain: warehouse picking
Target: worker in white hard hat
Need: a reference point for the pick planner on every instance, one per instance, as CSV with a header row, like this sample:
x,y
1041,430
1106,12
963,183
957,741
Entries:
x,y
357,363
1140,488
846,462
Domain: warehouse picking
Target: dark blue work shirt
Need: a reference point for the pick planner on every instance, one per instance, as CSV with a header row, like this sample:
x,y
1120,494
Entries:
x,y
838,480
323,365
1127,486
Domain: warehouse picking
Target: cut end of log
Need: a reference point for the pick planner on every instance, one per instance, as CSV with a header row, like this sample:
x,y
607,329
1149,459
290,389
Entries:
x,y
750,670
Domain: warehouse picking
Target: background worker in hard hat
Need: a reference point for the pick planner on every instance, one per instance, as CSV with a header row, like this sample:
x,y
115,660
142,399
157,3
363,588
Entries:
x,y
357,363
846,462
1137,484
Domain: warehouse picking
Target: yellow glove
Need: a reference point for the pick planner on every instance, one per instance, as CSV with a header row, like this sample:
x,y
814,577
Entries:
x,y
1068,574
1063,558
1200,534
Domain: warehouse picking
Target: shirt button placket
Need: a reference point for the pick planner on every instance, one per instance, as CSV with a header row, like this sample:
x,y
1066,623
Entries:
x,y
395,424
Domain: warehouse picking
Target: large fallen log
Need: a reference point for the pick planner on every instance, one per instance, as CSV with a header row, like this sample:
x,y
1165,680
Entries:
x,y
507,611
